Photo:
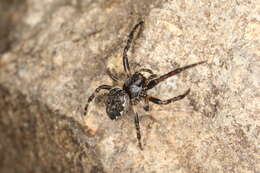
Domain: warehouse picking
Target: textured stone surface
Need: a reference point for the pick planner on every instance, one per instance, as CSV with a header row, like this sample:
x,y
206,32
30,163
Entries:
x,y
11,12
62,57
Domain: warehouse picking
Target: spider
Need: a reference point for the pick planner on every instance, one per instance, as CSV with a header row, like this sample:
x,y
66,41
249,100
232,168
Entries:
x,y
120,99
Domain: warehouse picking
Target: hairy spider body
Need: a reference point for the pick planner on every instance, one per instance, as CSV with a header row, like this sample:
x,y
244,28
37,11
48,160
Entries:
x,y
117,103
119,100
134,85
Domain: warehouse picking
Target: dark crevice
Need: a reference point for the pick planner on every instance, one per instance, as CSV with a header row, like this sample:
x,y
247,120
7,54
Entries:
x,y
11,12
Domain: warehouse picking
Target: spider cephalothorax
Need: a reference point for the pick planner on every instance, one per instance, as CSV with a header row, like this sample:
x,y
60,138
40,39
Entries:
x,y
134,85
119,99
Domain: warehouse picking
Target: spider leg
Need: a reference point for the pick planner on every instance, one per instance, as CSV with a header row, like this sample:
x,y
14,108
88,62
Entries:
x,y
128,44
107,87
146,103
156,81
138,132
112,76
146,70
165,102
151,77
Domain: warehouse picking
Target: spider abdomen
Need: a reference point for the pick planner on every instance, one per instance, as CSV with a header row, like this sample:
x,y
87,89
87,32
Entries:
x,y
117,103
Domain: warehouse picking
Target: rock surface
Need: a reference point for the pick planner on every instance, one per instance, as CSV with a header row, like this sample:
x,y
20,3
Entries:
x,y
61,56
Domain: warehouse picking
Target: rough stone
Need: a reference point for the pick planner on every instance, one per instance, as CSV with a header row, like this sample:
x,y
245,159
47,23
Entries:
x,y
62,56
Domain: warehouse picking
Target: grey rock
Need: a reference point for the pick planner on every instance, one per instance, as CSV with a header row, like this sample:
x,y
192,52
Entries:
x,y
62,56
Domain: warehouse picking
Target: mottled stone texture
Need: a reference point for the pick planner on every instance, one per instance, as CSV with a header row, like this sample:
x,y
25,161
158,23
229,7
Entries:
x,y
60,54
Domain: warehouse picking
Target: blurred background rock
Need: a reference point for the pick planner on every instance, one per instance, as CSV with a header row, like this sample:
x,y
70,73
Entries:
x,y
53,54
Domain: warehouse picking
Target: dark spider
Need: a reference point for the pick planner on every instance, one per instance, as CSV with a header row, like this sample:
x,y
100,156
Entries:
x,y
134,89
